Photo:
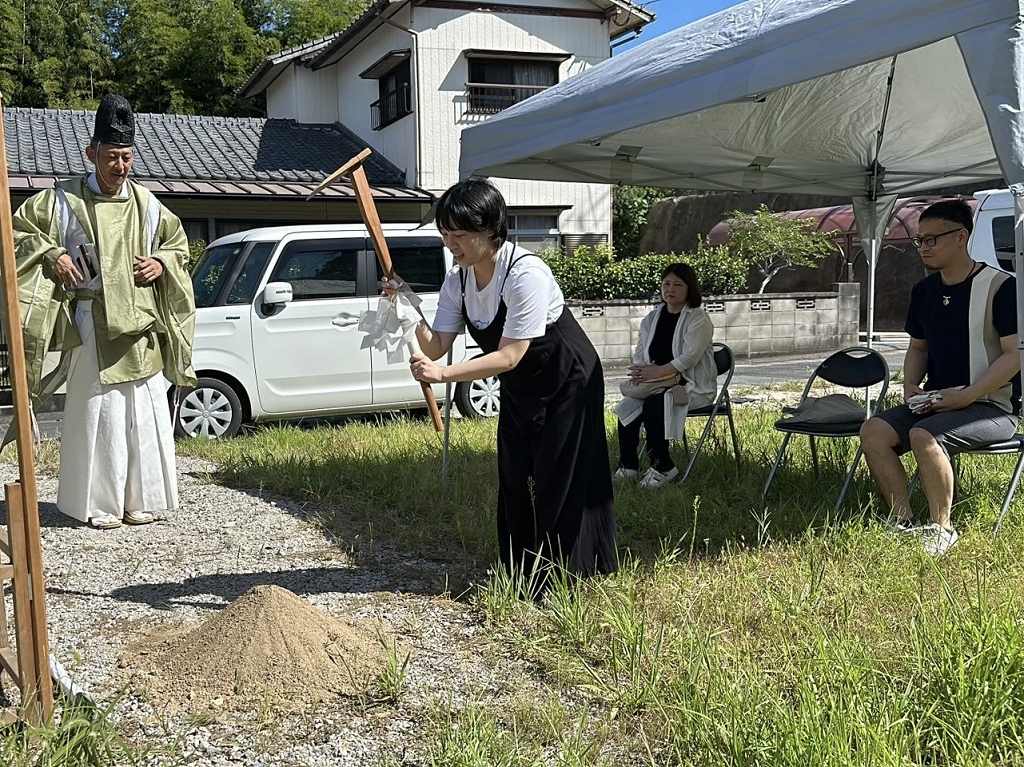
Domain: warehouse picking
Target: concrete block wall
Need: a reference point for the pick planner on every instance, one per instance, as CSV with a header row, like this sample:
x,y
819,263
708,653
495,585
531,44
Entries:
x,y
753,325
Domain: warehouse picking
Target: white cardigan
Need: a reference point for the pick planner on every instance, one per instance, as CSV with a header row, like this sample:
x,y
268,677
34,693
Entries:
x,y
694,358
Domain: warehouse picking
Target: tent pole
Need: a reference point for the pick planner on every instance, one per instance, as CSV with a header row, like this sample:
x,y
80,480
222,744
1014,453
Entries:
x,y
872,255
1018,261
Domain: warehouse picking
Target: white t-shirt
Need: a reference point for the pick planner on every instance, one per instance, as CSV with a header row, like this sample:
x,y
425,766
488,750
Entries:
x,y
531,295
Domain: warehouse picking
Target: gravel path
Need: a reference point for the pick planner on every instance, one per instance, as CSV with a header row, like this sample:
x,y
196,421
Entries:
x,y
106,589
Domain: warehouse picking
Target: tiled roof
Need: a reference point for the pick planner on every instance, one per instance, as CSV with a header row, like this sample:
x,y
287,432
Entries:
x,y
186,154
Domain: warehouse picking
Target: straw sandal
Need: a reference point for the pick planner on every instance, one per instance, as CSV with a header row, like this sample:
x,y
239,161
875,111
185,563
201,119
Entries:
x,y
104,521
139,517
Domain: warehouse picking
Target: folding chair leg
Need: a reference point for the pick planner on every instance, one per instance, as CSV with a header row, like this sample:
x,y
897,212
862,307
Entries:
x,y
697,447
775,466
735,442
686,445
814,458
1009,494
849,479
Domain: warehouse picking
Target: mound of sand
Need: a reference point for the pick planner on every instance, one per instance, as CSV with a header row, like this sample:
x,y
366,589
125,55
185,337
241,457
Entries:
x,y
267,644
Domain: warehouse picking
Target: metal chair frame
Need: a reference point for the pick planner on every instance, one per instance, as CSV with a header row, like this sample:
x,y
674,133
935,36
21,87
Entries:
x,y
725,365
1013,446
844,369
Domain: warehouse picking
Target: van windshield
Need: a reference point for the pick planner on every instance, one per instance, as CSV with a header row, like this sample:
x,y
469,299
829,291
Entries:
x,y
212,270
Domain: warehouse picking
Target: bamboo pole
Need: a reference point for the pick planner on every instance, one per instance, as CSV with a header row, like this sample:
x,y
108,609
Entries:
x,y
40,699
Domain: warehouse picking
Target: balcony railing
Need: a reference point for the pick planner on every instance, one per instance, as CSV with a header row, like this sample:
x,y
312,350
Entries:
x,y
491,98
390,107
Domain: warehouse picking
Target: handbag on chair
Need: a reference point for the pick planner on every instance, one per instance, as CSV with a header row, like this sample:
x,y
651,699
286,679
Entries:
x,y
645,389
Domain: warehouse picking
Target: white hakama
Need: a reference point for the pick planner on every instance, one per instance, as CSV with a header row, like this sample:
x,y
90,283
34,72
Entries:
x,y
117,442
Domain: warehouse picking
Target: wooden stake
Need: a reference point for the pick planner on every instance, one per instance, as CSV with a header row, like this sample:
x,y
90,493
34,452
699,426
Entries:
x,y
23,505
357,175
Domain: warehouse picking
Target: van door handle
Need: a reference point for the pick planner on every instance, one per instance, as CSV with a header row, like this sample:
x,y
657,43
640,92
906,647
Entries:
x,y
233,317
345,320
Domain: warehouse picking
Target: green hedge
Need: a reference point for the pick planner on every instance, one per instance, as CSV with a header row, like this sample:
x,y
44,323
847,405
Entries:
x,y
595,274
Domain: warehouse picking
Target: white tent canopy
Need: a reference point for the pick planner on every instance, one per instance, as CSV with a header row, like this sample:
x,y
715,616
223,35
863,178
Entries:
x,y
869,98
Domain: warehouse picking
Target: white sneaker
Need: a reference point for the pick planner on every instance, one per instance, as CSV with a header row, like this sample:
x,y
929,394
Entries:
x,y
937,539
623,473
654,478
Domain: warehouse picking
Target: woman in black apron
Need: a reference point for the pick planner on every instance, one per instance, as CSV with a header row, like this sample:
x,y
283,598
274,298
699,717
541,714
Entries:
x,y
555,489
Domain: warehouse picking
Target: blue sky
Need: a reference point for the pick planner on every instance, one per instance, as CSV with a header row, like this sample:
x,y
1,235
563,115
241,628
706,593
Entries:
x,y
676,13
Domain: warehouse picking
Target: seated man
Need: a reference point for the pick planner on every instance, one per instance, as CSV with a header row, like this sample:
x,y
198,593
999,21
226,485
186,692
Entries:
x,y
962,323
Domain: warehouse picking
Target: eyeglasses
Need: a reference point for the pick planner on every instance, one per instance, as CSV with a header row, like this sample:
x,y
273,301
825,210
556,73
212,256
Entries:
x,y
930,239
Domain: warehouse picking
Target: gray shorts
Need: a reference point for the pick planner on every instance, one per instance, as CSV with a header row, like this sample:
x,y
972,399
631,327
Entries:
x,y
980,423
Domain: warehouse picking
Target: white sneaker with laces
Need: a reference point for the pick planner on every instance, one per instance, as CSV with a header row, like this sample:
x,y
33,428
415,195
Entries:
x,y
654,478
937,539
623,473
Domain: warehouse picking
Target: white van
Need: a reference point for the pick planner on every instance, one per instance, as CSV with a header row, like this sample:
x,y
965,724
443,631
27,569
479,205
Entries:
x,y
276,310
992,241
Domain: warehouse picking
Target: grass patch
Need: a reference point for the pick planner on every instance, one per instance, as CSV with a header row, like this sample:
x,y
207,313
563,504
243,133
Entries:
x,y
81,736
736,632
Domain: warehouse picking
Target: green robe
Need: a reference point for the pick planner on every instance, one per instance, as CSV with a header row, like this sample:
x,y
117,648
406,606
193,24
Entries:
x,y
139,331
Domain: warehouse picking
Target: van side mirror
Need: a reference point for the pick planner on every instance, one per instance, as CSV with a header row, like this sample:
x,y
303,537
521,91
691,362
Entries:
x,y
276,295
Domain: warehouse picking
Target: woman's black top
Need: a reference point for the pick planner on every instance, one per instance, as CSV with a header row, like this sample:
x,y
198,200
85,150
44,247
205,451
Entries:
x,y
661,342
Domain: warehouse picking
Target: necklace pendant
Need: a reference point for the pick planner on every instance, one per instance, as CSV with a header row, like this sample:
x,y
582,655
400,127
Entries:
x,y
945,300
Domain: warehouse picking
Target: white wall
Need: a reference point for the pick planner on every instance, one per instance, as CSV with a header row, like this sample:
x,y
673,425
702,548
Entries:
x,y
305,96
446,35
337,93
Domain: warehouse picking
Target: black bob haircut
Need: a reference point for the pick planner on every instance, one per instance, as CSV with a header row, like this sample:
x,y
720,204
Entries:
x,y
686,273
473,205
954,211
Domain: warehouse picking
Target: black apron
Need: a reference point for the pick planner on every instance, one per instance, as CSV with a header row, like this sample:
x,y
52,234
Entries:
x,y
554,481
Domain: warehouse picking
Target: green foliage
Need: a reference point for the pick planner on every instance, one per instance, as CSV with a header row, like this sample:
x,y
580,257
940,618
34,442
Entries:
x,y
217,57
195,250
770,243
630,205
176,56
300,21
595,274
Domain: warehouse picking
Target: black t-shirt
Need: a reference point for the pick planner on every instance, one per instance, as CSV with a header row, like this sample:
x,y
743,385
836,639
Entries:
x,y
661,342
940,315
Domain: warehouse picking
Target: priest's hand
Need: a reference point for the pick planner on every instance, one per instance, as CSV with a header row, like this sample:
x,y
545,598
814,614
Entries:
x,y
67,272
147,271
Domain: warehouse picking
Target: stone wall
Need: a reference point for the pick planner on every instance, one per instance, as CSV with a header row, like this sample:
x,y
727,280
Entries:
x,y
753,325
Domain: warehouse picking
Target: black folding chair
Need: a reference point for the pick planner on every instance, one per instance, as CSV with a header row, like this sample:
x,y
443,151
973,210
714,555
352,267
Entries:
x,y
1013,446
725,364
854,368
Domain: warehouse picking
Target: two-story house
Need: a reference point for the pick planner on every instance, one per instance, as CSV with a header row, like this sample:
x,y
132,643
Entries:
x,y
409,75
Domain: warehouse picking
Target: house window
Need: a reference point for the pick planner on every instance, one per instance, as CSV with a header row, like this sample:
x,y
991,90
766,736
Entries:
x,y
395,102
498,83
533,231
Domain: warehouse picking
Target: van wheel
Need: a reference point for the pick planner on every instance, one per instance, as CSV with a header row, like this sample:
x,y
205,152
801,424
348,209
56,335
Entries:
x,y
478,399
211,410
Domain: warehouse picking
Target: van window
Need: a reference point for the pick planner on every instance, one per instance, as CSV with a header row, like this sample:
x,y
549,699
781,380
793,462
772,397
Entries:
x,y
244,289
319,268
1002,239
212,269
419,261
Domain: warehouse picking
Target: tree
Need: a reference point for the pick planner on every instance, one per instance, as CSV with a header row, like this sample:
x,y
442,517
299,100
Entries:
x,y
217,56
147,39
630,206
770,243
300,21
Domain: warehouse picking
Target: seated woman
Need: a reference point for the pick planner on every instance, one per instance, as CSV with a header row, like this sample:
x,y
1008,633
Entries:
x,y
675,338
